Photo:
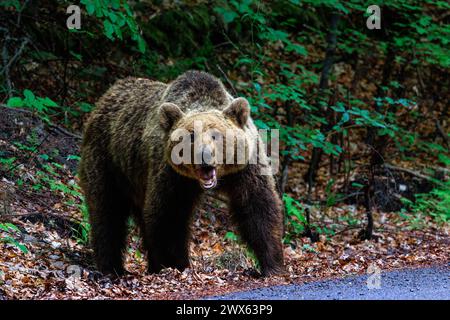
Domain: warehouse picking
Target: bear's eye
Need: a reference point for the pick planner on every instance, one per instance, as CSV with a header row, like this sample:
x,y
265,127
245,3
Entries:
x,y
216,135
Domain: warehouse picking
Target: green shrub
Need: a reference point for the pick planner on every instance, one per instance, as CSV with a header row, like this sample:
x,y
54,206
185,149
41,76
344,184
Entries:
x,y
435,204
8,233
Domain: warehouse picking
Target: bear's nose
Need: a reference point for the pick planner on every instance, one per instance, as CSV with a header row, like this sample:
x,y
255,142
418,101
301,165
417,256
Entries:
x,y
206,156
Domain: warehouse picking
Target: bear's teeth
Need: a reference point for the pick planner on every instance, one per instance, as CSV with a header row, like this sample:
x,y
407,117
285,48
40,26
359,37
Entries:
x,y
209,184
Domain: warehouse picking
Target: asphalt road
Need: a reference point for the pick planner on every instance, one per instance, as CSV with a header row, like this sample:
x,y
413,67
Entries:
x,y
409,284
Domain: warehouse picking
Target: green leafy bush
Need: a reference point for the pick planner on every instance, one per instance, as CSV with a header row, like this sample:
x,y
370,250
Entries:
x,y
435,204
8,234
43,106
117,17
295,218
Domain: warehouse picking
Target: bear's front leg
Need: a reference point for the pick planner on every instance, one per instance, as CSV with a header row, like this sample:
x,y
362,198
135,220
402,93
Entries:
x,y
257,211
169,205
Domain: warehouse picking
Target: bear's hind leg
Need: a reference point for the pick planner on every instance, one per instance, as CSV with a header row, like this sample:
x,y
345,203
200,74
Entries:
x,y
108,235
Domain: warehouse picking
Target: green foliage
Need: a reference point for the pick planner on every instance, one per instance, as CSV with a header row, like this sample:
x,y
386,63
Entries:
x,y
350,218
332,197
7,163
9,233
231,236
295,218
51,177
234,238
292,92
85,107
117,18
11,3
309,248
43,106
83,230
435,204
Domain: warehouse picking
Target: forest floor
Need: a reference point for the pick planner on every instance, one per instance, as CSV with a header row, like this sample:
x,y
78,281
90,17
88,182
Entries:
x,y
40,196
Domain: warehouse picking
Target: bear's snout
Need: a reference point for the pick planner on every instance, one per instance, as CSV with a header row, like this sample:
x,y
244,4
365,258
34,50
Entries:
x,y
205,156
207,172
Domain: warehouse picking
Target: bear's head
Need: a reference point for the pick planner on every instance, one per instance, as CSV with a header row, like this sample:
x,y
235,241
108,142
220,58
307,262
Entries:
x,y
207,145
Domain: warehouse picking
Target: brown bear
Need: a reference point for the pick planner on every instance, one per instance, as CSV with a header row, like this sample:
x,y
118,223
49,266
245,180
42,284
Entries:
x,y
128,168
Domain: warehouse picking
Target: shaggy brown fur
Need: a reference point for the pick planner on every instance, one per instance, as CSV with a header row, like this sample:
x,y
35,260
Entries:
x,y
126,170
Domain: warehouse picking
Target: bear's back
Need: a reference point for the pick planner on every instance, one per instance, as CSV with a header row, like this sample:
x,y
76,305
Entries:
x,y
119,120
131,94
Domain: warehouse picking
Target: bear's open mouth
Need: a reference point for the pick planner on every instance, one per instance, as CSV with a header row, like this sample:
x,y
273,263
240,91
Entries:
x,y
207,177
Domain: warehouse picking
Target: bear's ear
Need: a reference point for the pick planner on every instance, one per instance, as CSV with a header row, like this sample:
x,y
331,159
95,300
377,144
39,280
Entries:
x,y
239,111
169,113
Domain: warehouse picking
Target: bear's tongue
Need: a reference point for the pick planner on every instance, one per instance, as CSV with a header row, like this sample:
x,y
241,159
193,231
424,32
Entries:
x,y
207,177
